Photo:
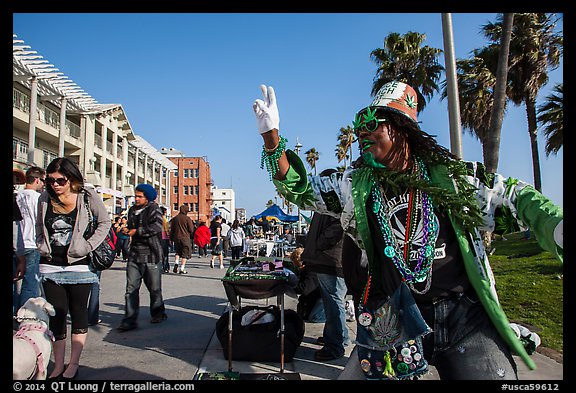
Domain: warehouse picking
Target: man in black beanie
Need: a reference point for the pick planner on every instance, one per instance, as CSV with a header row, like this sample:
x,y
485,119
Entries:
x,y
144,258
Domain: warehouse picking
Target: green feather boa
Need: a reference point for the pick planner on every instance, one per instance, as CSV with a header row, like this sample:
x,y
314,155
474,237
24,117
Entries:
x,y
461,205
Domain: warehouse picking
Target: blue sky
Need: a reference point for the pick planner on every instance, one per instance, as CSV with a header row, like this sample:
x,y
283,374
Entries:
x,y
188,81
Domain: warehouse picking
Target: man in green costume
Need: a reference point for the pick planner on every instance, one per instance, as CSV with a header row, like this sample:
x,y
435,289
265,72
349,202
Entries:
x,y
416,212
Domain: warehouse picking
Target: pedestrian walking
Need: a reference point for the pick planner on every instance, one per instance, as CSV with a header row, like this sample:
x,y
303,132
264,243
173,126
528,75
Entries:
x,y
181,230
18,261
165,241
123,240
216,241
236,238
202,238
144,258
416,211
27,200
64,264
224,234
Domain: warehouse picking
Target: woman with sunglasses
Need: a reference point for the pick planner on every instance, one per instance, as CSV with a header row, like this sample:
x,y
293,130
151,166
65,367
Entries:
x,y
416,212
66,276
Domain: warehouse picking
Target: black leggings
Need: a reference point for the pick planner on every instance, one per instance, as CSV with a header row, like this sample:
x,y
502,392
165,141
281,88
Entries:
x,y
64,298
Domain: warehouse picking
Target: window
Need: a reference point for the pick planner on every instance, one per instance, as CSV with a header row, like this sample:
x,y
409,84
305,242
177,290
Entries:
x,y
175,173
175,206
195,172
175,189
186,173
185,190
196,190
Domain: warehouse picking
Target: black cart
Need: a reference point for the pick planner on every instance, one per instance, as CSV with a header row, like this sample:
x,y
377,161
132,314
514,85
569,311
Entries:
x,y
247,280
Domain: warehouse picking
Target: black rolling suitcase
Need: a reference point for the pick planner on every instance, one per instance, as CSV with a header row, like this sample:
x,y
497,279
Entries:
x,y
256,334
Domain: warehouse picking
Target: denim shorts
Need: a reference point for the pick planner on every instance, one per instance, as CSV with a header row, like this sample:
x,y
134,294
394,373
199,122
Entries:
x,y
216,248
71,277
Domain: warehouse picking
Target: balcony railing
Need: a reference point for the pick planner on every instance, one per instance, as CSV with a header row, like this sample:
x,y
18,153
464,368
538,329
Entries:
x,y
20,101
44,114
73,129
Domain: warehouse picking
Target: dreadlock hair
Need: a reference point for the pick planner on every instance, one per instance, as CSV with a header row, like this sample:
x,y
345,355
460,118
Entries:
x,y
421,143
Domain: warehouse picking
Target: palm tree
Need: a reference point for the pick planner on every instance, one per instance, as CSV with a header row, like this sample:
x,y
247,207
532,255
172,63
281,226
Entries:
x,y
404,59
341,153
475,84
491,148
311,157
344,147
551,116
534,47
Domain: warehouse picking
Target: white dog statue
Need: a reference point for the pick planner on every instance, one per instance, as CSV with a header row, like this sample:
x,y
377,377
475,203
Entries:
x,y
32,343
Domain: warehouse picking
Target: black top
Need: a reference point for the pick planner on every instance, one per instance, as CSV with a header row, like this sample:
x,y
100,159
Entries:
x,y
60,227
214,225
448,271
323,249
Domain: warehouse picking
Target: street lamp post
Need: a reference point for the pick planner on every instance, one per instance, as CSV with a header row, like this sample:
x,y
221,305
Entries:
x,y
297,149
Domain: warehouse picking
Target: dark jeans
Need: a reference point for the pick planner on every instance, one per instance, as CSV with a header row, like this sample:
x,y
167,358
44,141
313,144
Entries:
x,y
203,251
122,245
464,344
151,274
236,252
94,302
166,254
31,286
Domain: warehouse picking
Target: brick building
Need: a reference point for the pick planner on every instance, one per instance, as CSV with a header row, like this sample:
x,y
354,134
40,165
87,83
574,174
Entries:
x,y
190,185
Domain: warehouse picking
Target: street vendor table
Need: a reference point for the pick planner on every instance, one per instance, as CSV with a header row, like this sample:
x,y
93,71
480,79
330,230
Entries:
x,y
257,278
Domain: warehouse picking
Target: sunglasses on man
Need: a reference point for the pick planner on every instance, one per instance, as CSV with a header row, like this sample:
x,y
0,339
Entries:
x,y
366,121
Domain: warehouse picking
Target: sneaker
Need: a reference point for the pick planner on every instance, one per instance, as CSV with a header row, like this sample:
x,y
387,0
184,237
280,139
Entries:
x,y
175,270
183,272
159,319
221,266
98,322
212,264
323,355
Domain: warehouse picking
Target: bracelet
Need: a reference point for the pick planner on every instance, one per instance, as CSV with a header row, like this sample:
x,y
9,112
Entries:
x,y
271,160
273,149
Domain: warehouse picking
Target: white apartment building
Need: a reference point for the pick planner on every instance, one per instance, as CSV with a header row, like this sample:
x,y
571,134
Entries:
x,y
54,117
224,201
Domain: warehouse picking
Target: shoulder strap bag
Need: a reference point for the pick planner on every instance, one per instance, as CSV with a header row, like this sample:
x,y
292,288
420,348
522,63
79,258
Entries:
x,y
102,257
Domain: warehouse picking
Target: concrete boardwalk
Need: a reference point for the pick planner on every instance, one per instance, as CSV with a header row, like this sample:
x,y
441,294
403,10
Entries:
x,y
186,344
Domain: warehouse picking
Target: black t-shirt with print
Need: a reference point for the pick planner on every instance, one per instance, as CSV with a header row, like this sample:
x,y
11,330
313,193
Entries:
x,y
448,271
60,227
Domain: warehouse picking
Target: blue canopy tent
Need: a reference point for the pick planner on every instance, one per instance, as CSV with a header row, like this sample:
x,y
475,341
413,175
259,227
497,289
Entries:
x,y
275,213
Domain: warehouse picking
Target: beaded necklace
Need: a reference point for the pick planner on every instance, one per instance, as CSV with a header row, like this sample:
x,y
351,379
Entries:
x,y
423,269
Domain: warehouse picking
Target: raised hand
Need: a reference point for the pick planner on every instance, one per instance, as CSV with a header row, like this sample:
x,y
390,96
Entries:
x,y
266,110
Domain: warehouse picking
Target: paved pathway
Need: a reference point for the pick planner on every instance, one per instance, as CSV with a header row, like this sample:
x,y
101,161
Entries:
x,y
186,342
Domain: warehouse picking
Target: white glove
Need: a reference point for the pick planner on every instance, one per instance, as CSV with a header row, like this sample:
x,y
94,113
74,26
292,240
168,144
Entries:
x,y
266,111
559,234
